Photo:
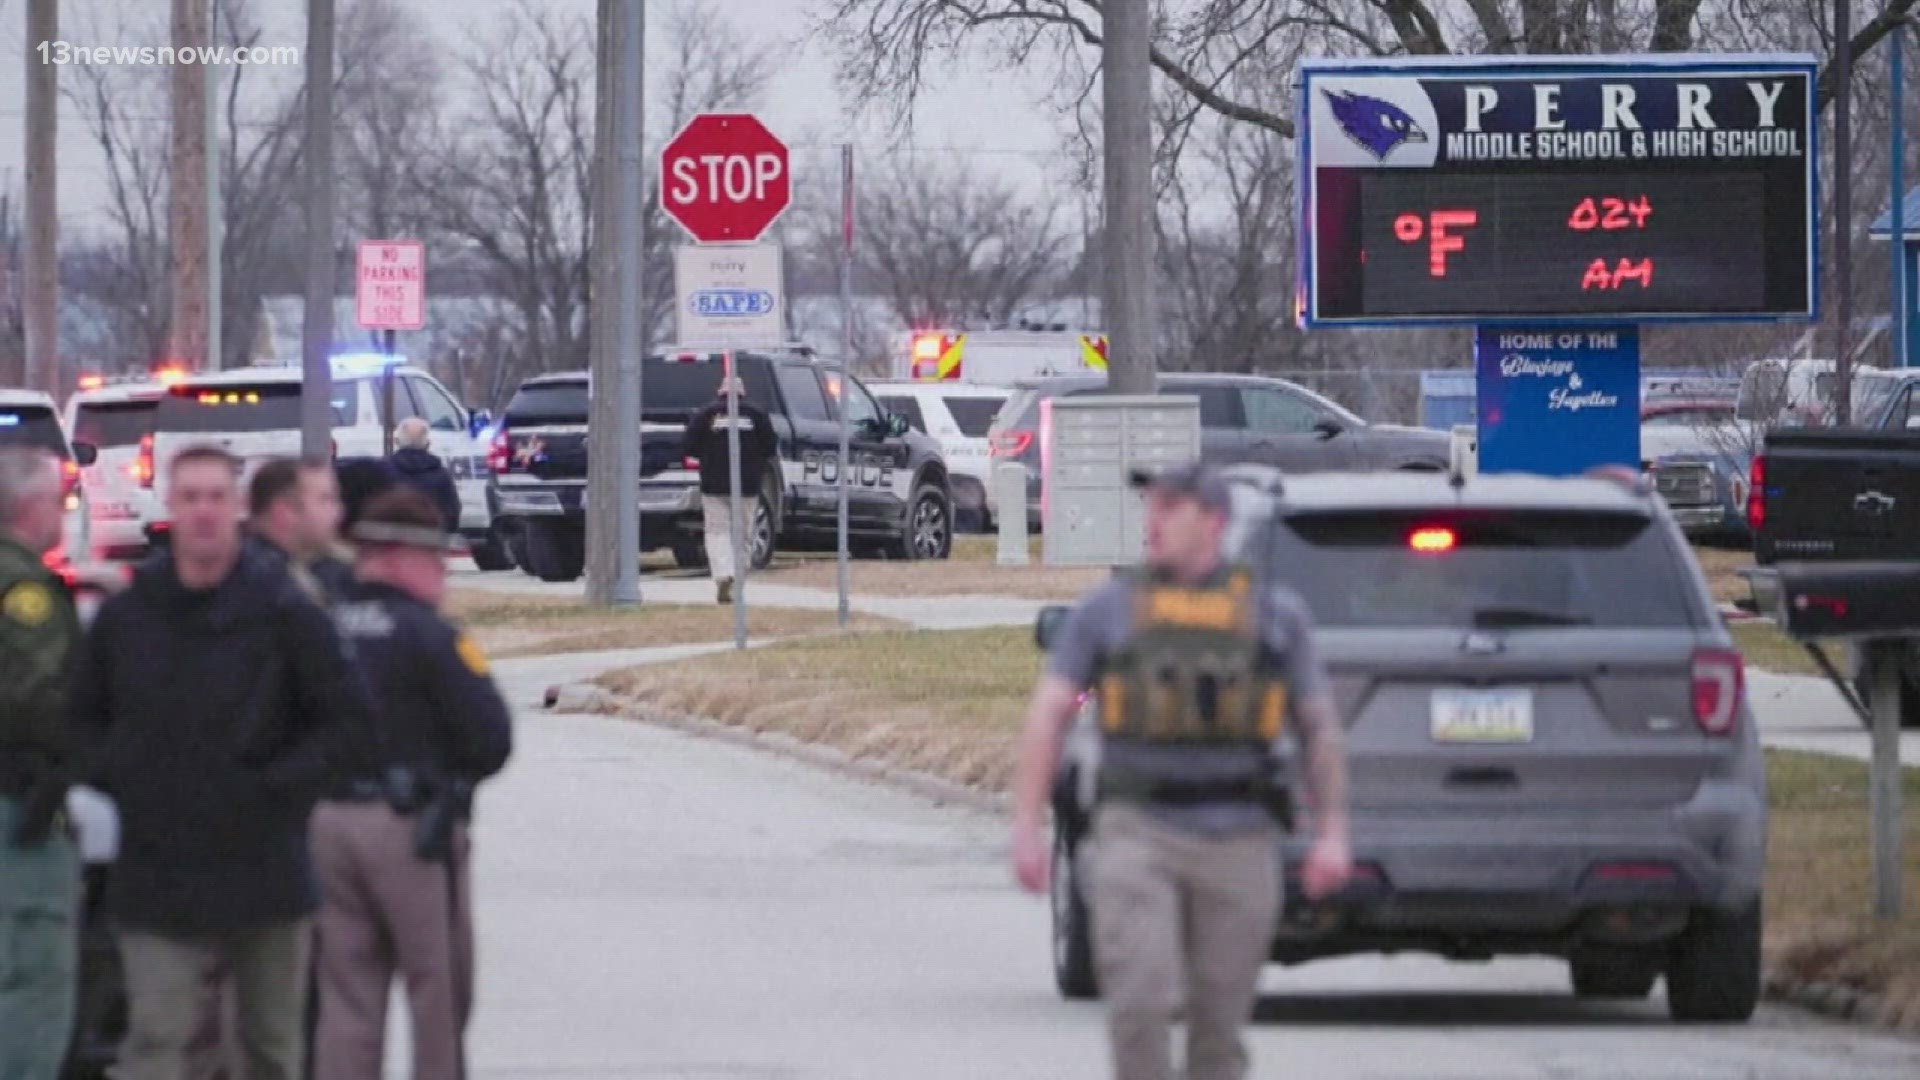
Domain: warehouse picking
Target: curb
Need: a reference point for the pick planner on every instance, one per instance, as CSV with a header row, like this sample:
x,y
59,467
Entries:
x,y
1825,999
587,698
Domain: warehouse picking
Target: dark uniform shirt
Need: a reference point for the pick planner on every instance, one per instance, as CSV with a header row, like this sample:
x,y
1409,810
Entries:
x,y
707,440
38,631
440,713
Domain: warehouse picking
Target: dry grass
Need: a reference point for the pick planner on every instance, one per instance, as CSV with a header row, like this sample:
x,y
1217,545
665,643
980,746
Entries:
x,y
1765,647
942,702
1819,886
971,570
1722,567
513,626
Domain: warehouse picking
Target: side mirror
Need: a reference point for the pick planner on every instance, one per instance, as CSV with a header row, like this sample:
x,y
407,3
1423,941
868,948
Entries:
x,y
1047,624
478,421
897,425
1327,429
85,454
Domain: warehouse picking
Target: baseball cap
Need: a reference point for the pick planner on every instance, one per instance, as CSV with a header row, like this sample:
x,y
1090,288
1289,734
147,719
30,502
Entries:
x,y
1194,480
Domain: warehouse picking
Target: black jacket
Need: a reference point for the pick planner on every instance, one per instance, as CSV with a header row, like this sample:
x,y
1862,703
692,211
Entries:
x,y
707,440
426,472
440,714
213,718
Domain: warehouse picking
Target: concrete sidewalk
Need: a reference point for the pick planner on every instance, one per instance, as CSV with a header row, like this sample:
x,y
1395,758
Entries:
x,y
1805,712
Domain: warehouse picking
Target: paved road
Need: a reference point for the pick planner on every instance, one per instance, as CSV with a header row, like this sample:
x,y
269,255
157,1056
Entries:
x,y
656,905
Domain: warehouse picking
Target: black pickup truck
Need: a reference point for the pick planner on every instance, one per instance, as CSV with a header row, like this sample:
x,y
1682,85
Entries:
x,y
900,504
1842,495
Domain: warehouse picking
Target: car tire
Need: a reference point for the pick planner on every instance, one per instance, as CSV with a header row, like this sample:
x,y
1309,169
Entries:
x,y
927,532
762,532
558,550
690,555
1602,972
1713,968
491,554
518,548
1072,933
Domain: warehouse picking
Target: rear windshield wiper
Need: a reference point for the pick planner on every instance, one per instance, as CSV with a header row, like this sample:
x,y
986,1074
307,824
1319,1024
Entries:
x,y
1488,618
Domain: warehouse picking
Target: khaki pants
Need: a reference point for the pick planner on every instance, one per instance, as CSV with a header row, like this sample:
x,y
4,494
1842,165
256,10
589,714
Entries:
x,y
173,988
1179,920
386,913
716,517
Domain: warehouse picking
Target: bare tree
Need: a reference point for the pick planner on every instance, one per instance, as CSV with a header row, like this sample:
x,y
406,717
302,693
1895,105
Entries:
x,y
389,99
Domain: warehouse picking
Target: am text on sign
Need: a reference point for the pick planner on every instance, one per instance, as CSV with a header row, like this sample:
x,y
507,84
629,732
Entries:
x,y
390,290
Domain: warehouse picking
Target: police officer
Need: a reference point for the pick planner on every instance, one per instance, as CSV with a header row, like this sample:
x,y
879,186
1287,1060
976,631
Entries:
x,y
390,845
294,507
1199,673
707,440
39,867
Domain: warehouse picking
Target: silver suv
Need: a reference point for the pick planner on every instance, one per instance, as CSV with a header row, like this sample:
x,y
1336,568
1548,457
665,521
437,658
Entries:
x,y
1549,744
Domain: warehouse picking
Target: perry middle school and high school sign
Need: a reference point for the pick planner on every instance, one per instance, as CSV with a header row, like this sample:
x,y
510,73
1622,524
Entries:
x,y
1537,189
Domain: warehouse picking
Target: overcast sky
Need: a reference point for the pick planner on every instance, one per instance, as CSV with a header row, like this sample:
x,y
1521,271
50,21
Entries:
x,y
994,119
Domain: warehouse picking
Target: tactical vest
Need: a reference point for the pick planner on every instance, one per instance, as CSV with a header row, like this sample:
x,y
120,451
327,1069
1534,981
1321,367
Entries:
x,y
1193,686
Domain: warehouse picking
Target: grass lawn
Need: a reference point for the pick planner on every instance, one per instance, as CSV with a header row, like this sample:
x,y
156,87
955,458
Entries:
x,y
951,702
972,569
506,626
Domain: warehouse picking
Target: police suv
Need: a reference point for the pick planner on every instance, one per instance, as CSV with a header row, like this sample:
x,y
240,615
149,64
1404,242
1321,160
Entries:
x,y
116,419
254,412
1549,746
900,504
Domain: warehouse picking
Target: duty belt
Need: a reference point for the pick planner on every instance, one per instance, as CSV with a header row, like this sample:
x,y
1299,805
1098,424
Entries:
x,y
1126,785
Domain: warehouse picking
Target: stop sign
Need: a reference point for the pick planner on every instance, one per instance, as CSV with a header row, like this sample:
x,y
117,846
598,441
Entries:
x,y
724,178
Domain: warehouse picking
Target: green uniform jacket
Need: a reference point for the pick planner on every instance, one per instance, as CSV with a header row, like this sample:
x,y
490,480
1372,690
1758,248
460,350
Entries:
x,y
38,633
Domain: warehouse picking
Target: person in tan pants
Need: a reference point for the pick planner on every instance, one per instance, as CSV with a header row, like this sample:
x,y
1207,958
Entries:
x,y
390,843
1198,673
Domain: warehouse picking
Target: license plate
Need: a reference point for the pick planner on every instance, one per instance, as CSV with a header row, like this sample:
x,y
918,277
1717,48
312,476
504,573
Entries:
x,y
1482,716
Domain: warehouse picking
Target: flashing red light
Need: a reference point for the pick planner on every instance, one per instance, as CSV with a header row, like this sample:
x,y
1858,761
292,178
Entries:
x,y
169,376
1433,540
141,469
926,347
1011,444
500,454
92,382
1719,684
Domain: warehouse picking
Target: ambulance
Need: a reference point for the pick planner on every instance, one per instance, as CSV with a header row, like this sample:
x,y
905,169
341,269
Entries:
x,y
999,357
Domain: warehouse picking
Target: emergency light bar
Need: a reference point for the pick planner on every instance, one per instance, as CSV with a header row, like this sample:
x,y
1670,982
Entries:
x,y
9,419
365,363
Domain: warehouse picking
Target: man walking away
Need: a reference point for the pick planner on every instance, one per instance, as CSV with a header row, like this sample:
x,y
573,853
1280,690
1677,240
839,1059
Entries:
x,y
294,507
389,842
205,698
39,867
1199,672
423,469
707,441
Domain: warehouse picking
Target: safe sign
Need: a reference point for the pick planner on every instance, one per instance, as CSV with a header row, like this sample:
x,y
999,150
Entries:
x,y
724,303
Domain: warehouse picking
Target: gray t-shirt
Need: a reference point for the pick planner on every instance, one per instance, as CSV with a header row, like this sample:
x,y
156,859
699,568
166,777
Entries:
x,y
1100,624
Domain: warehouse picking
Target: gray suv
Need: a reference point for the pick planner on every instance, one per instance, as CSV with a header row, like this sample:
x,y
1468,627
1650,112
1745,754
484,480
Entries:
x,y
1549,745
1243,418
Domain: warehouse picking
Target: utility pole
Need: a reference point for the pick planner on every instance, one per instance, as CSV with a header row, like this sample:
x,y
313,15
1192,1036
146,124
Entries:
x,y
316,330
210,73
602,514
187,232
1843,211
42,210
1126,78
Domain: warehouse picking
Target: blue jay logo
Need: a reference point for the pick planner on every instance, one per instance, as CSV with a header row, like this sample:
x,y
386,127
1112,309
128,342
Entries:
x,y
1379,126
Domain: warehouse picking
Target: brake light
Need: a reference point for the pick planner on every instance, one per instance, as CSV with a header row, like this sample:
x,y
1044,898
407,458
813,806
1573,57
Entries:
x,y
142,468
1757,493
1010,444
1432,540
690,462
1719,684
500,453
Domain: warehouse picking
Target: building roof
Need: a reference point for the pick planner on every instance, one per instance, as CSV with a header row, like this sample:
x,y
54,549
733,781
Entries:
x,y
1909,218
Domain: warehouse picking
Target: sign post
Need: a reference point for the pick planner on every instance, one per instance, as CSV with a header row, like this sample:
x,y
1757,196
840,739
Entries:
x,y
390,294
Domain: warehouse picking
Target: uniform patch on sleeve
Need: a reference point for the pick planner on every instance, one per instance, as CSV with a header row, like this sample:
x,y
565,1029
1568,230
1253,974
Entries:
x,y
471,655
28,604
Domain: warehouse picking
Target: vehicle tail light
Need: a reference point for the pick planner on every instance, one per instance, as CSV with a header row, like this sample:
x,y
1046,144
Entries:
x,y
500,453
1757,493
1432,540
70,484
1010,444
1719,684
690,462
142,468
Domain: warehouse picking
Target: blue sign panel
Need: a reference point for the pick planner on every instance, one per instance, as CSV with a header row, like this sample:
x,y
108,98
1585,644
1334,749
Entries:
x,y
1557,401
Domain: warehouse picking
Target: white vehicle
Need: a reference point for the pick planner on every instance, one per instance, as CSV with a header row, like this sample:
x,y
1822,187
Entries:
x,y
28,419
957,414
1794,392
998,357
116,419
254,413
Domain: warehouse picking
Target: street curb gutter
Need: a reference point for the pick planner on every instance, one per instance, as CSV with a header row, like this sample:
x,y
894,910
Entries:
x,y
588,698
1826,999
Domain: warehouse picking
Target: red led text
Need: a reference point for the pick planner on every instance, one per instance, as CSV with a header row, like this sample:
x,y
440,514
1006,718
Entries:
x,y
1409,228
1599,277
1610,214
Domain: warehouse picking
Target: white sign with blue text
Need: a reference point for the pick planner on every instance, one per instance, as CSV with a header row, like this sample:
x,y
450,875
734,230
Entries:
x,y
729,294
1557,401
